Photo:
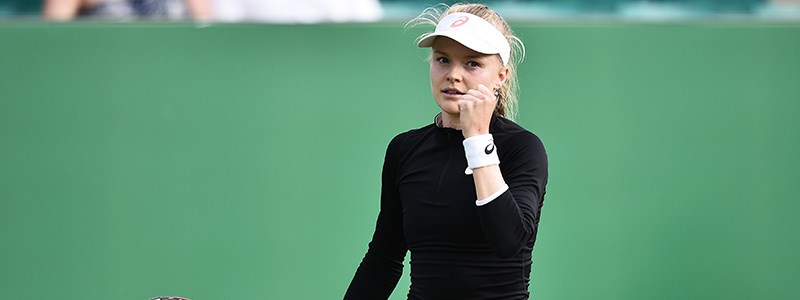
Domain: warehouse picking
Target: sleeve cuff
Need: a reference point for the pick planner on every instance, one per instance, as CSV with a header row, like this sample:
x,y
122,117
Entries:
x,y
491,197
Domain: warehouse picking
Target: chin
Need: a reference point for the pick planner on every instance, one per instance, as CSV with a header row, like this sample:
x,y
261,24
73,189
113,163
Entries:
x,y
449,107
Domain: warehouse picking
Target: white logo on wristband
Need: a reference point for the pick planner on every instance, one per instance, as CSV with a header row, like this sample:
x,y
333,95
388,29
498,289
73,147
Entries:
x,y
480,152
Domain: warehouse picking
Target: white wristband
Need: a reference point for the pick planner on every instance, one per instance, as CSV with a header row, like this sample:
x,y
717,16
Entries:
x,y
480,152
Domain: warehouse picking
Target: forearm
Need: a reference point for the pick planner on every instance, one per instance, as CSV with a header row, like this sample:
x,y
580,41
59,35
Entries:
x,y
200,10
488,181
506,225
61,10
508,207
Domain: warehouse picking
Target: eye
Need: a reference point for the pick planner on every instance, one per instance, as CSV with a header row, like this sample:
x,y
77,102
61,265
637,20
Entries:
x,y
473,64
443,60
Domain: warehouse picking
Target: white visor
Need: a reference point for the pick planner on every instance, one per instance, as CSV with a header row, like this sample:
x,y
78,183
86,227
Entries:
x,y
471,31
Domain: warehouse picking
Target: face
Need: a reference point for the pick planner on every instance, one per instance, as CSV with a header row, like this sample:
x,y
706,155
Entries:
x,y
455,69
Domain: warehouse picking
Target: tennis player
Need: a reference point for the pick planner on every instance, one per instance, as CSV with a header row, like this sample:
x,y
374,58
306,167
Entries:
x,y
464,193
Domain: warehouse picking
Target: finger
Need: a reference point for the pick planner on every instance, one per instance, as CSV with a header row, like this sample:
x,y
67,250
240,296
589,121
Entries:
x,y
467,105
478,95
492,96
471,95
488,94
485,89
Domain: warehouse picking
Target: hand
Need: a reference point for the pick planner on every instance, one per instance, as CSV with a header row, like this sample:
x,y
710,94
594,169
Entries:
x,y
477,107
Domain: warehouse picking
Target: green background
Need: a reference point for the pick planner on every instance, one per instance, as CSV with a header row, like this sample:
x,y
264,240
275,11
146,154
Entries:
x,y
243,161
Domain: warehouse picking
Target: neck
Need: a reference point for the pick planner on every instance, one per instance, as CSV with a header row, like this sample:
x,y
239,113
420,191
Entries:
x,y
450,120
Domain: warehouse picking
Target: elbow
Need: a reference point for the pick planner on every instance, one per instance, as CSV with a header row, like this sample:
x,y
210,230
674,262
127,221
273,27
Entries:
x,y
507,246
510,245
507,251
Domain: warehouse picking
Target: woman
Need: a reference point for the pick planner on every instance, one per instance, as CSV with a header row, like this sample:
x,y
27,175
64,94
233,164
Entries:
x,y
463,194
65,10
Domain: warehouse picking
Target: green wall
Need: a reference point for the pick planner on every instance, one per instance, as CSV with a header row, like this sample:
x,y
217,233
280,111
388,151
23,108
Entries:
x,y
243,161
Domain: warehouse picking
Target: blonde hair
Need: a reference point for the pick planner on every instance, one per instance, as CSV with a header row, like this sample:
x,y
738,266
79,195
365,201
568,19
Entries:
x,y
508,93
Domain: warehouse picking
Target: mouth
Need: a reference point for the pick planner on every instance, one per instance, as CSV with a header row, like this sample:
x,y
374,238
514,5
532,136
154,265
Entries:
x,y
452,92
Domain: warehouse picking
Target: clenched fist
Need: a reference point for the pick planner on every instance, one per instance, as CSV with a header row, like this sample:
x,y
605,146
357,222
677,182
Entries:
x,y
476,109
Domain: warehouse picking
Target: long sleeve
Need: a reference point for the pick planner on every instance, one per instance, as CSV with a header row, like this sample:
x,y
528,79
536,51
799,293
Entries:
x,y
510,221
382,266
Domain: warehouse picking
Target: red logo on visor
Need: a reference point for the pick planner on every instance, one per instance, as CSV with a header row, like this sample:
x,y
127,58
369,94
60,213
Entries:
x,y
459,22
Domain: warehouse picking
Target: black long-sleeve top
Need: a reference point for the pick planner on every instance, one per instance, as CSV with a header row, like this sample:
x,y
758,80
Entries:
x,y
458,250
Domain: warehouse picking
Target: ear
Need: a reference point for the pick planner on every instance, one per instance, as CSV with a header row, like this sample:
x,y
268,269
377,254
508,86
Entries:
x,y
502,76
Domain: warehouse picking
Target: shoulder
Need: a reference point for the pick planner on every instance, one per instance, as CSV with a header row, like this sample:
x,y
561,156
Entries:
x,y
521,151
402,145
510,134
405,141
411,137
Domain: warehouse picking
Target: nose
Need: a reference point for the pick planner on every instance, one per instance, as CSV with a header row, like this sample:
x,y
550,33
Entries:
x,y
454,74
